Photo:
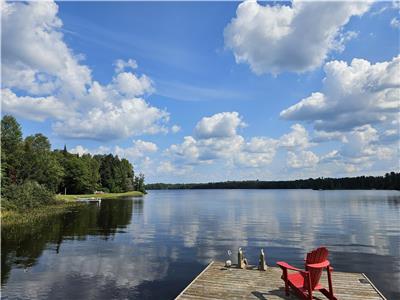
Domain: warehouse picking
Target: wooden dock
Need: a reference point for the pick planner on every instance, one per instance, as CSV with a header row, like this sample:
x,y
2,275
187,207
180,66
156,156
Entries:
x,y
89,200
216,282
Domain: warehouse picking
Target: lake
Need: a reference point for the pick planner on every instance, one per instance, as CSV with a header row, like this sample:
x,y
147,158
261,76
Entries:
x,y
152,247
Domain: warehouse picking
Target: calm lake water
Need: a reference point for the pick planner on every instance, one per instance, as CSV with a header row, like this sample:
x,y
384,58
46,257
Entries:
x,y
152,247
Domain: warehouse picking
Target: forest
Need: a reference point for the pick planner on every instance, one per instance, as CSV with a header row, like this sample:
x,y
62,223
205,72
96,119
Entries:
x,y
390,181
32,173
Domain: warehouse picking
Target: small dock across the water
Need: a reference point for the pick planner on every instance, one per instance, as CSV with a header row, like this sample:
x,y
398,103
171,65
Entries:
x,y
89,200
216,282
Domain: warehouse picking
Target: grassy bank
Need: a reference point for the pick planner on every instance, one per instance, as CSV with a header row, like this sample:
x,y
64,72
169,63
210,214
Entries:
x,y
104,196
30,217
64,203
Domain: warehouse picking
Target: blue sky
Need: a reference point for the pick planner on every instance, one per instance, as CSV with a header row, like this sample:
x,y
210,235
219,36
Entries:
x,y
200,91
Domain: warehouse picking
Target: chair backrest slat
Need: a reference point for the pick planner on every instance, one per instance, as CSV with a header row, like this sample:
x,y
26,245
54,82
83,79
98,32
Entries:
x,y
316,256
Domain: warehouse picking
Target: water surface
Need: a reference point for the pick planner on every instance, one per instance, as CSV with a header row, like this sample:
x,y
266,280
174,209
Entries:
x,y
152,247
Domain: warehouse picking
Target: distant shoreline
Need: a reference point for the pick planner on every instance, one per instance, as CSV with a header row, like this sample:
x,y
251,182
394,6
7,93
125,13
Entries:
x,y
390,181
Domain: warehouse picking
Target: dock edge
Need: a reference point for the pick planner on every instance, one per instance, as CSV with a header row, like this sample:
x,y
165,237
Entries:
x,y
201,273
374,287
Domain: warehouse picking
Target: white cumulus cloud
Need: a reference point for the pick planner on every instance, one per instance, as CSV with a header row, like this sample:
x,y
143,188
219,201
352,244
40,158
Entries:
x,y
297,37
216,139
130,85
186,152
128,118
353,95
35,49
34,108
139,149
258,152
81,150
121,65
297,138
42,78
223,124
303,159
361,149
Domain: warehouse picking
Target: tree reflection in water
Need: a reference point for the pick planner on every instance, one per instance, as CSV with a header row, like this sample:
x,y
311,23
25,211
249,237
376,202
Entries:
x,y
23,245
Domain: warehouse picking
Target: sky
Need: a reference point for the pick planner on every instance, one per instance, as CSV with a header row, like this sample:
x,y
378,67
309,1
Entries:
x,y
210,91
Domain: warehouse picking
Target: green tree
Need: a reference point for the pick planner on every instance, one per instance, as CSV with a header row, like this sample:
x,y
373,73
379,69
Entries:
x,y
77,178
30,169
139,183
94,175
11,150
128,175
40,164
116,175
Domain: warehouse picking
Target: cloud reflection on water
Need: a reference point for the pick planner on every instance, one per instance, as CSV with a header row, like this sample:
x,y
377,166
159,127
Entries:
x,y
135,248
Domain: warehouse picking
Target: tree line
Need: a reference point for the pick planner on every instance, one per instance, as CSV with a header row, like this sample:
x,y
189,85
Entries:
x,y
390,181
31,173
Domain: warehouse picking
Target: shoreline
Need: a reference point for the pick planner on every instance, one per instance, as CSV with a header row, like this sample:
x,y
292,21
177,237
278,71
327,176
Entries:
x,y
103,196
63,204
10,218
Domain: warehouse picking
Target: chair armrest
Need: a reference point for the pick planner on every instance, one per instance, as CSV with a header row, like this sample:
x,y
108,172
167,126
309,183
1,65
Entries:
x,y
323,264
285,265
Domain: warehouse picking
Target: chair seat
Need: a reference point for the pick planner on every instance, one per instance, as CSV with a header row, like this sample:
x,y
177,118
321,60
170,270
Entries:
x,y
298,281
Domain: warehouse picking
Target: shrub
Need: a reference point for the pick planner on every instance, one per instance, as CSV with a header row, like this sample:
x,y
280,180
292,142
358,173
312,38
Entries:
x,y
30,194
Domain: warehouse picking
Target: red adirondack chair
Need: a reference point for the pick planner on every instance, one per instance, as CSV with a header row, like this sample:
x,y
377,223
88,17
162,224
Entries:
x,y
304,282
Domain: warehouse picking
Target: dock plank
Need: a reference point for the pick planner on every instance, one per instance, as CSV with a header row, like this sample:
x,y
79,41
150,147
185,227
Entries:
x,y
216,282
